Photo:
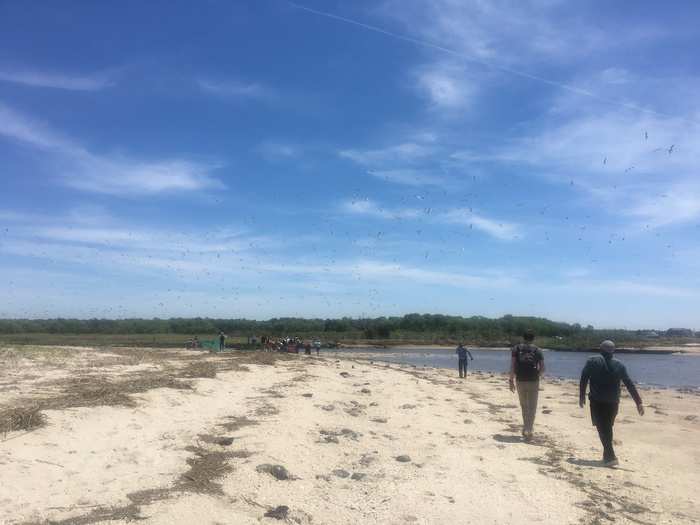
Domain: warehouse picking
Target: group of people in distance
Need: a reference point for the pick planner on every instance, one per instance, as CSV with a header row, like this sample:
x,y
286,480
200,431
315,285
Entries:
x,y
603,373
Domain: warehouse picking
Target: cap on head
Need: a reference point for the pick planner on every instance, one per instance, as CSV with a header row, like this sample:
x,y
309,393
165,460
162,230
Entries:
x,y
607,346
529,335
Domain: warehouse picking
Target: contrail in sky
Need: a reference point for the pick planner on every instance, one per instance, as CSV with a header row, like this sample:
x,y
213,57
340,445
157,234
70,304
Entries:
x,y
438,47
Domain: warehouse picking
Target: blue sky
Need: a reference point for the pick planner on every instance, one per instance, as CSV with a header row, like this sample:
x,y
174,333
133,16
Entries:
x,y
260,159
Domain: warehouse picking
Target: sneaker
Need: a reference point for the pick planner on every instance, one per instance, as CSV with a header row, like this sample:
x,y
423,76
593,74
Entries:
x,y
611,463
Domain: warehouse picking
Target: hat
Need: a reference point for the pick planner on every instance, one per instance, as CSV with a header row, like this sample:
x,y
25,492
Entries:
x,y
607,346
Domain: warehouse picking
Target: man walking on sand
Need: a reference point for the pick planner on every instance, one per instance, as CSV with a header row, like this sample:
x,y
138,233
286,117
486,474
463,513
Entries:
x,y
526,367
605,373
222,341
462,353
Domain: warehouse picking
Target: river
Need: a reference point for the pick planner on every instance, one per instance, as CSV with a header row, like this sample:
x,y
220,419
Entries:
x,y
667,370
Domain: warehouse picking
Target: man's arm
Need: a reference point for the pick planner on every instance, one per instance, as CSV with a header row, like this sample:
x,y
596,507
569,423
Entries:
x,y
511,379
583,384
470,355
633,391
540,363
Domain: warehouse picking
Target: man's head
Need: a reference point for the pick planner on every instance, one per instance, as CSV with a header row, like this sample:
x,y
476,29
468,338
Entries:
x,y
528,336
607,347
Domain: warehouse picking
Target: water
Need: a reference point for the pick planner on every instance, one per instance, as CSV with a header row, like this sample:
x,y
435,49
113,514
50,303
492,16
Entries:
x,y
674,370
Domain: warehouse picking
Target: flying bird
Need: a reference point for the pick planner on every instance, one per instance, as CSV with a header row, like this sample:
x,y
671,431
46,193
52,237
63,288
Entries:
x,y
670,150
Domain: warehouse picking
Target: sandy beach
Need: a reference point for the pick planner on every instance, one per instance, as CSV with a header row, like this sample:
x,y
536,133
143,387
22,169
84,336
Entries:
x,y
181,437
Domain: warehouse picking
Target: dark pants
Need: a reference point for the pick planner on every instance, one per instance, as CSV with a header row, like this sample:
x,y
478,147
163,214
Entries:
x,y
221,344
462,367
603,416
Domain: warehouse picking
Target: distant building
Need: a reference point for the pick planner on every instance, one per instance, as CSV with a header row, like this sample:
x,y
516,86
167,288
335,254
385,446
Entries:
x,y
679,332
650,334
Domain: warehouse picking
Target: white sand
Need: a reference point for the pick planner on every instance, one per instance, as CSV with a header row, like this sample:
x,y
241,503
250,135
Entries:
x,y
467,464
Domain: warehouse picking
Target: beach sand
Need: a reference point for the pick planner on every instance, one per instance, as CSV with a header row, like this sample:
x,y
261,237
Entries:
x,y
203,439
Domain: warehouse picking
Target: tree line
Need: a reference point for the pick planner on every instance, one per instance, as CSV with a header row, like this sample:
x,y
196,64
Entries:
x,y
376,328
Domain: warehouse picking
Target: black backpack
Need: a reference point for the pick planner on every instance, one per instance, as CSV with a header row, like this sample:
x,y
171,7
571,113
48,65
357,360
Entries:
x,y
527,358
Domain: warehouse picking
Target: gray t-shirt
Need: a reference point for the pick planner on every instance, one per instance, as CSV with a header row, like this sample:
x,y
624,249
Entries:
x,y
527,358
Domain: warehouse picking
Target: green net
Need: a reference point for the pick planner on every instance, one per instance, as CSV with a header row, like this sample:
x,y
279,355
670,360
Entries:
x,y
212,345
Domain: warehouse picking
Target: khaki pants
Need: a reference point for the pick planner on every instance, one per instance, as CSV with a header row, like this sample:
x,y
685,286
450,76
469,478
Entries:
x,y
528,392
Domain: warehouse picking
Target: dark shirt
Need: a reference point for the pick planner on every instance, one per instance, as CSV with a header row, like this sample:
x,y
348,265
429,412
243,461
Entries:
x,y
605,374
463,353
527,373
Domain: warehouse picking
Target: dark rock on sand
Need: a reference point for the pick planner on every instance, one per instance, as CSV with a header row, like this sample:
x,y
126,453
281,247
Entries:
x,y
277,471
403,458
341,473
225,441
278,513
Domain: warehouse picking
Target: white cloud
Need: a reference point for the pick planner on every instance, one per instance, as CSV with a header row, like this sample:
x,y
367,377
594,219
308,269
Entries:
x,y
111,175
405,152
234,89
378,269
505,231
505,31
135,178
501,230
447,86
410,177
633,165
370,208
94,82
279,150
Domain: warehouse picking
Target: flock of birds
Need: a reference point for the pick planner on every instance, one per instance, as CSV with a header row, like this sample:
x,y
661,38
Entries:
x,y
252,274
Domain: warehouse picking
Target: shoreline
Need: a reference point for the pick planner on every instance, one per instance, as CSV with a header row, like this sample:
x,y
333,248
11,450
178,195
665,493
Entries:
x,y
376,358
693,350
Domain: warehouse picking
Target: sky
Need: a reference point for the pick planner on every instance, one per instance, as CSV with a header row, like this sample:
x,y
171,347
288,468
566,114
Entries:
x,y
259,159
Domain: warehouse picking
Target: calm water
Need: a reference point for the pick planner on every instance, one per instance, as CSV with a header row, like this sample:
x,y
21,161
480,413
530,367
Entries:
x,y
675,370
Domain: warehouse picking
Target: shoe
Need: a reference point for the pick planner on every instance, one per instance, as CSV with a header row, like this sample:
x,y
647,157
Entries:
x,y
527,436
611,463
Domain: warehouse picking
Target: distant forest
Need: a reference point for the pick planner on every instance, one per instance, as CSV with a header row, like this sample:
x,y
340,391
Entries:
x,y
476,327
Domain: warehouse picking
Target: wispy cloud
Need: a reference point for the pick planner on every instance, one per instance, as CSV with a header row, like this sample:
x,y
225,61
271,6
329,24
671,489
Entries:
x,y
405,152
638,166
410,177
508,31
460,279
447,86
234,89
498,229
370,208
87,171
279,150
503,230
44,79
